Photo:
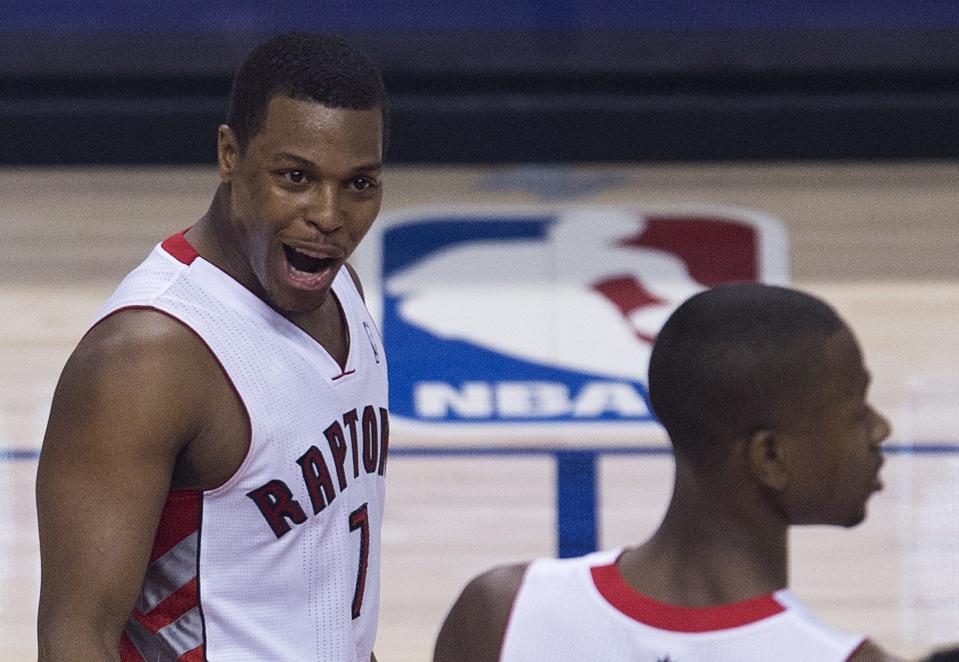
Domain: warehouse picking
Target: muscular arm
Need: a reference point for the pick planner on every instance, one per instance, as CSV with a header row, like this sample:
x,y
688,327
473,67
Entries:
x,y
476,624
121,414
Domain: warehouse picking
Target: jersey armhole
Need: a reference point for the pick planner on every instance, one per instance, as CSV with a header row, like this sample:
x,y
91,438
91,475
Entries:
x,y
512,610
236,392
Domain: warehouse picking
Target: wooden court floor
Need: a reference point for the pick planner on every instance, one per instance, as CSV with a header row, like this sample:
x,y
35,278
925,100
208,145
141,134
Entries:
x,y
878,241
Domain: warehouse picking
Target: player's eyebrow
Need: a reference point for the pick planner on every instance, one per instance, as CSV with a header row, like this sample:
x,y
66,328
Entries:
x,y
373,166
289,156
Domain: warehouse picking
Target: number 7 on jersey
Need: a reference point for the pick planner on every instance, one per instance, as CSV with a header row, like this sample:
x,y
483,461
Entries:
x,y
360,521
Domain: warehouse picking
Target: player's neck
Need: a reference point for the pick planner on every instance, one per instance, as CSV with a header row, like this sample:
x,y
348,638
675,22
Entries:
x,y
710,549
212,237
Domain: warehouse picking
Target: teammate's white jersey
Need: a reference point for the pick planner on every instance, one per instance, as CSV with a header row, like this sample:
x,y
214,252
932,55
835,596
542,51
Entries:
x,y
281,562
572,610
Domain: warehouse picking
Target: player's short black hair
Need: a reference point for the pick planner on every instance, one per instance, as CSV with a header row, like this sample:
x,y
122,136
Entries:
x,y
305,66
732,359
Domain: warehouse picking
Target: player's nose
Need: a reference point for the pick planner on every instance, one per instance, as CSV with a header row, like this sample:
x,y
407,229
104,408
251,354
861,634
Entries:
x,y
880,430
323,210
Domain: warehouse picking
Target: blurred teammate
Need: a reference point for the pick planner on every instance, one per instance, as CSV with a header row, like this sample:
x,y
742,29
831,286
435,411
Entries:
x,y
211,481
762,390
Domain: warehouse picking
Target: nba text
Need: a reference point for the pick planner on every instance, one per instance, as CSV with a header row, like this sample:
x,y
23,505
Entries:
x,y
528,399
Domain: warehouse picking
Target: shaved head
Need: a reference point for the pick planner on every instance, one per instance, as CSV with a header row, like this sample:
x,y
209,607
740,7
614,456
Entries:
x,y
307,67
734,359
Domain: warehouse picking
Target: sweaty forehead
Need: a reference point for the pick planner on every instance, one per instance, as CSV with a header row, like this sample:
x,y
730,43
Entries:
x,y
309,128
286,112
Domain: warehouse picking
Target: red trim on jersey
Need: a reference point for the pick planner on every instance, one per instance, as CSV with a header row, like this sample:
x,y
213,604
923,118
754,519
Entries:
x,y
180,518
198,654
177,246
644,609
129,652
173,607
343,374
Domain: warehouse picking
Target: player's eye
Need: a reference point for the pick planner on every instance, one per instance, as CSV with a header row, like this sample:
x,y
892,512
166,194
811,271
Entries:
x,y
296,176
363,183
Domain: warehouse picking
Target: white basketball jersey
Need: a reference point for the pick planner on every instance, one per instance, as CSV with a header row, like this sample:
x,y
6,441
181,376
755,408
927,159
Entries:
x,y
281,562
582,609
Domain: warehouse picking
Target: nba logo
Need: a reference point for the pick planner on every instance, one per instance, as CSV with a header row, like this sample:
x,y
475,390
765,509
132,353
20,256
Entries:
x,y
513,324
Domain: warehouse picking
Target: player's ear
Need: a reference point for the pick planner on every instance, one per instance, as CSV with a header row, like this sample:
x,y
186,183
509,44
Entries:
x,y
227,152
765,449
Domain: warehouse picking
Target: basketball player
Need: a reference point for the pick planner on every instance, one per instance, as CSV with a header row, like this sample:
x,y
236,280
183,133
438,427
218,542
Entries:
x,y
211,481
762,390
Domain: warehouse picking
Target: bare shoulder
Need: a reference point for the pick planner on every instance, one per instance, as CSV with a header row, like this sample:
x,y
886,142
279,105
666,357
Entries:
x,y
140,339
134,365
138,328
869,651
496,587
476,624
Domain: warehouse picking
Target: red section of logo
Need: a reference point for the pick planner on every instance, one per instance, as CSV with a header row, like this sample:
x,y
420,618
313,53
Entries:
x,y
715,250
627,294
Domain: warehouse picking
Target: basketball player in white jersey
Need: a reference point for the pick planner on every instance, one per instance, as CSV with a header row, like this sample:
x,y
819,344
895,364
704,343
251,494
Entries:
x,y
763,392
211,481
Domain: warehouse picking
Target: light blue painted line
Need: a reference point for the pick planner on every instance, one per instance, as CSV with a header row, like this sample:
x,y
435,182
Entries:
x,y
933,448
18,454
893,448
486,451
576,478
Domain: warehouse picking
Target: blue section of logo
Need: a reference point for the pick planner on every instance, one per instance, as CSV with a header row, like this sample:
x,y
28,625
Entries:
x,y
407,243
418,356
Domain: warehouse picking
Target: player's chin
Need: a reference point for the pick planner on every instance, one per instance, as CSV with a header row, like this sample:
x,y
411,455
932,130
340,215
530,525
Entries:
x,y
855,519
855,515
295,301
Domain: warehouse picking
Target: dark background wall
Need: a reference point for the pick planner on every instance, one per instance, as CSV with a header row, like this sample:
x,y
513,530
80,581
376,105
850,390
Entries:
x,y
571,80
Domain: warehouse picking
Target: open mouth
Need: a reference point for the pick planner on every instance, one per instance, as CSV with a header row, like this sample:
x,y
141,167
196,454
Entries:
x,y
876,484
304,262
